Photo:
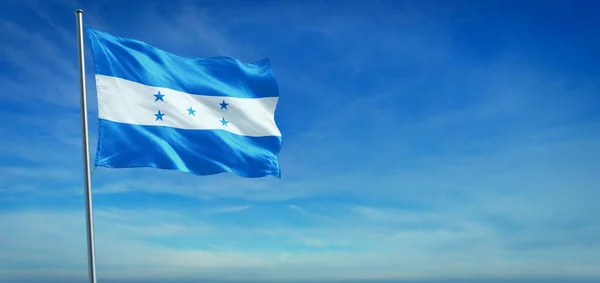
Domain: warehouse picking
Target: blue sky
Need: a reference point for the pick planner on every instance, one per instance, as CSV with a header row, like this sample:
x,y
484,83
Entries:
x,y
422,140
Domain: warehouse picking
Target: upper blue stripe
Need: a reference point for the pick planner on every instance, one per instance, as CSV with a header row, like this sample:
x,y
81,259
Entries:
x,y
140,62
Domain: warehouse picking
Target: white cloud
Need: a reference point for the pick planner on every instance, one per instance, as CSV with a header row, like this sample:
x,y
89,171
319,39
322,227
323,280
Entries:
x,y
126,243
395,215
318,243
314,242
228,209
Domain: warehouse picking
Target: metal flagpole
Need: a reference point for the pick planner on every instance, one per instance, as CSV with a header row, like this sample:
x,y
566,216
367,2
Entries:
x,y
86,152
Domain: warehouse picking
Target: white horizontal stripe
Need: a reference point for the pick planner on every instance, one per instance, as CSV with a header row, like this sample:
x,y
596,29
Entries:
x,y
129,102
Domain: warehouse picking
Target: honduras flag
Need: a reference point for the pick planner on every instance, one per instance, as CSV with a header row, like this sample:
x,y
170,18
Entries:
x,y
201,116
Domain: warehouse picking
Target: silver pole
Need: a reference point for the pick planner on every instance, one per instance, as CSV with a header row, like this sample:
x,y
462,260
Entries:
x,y
86,152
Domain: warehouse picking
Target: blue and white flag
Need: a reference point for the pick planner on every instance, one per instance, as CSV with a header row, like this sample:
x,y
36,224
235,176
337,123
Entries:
x,y
201,116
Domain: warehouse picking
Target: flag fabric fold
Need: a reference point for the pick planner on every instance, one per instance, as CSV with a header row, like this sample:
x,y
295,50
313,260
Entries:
x,y
202,116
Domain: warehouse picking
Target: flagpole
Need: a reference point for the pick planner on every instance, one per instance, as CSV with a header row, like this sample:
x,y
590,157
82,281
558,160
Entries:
x,y
86,152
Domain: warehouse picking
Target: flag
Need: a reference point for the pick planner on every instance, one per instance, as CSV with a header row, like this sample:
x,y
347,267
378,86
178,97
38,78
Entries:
x,y
202,116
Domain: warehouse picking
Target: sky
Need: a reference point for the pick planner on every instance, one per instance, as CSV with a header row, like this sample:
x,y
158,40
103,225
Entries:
x,y
423,141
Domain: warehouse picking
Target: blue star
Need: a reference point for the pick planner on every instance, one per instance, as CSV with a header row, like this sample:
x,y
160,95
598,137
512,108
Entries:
x,y
224,105
191,111
224,122
159,96
159,116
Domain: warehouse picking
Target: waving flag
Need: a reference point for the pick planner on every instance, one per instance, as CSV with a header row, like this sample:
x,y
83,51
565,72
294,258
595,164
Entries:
x,y
201,116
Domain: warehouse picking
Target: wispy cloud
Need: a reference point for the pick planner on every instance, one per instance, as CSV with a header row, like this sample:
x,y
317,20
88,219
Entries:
x,y
123,242
314,242
228,209
48,65
396,215
311,214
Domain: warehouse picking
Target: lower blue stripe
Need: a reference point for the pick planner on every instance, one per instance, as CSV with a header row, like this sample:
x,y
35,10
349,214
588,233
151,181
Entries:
x,y
199,152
